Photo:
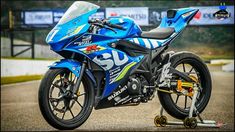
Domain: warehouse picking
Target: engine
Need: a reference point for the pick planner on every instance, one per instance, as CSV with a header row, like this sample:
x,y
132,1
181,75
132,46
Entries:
x,y
134,86
136,89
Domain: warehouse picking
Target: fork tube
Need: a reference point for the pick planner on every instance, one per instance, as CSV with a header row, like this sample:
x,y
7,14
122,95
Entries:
x,y
79,79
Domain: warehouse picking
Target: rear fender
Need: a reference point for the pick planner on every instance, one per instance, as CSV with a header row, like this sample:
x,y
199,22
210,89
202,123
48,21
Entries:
x,y
74,66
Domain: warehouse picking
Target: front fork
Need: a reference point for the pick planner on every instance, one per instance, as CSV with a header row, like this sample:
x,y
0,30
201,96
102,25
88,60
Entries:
x,y
79,79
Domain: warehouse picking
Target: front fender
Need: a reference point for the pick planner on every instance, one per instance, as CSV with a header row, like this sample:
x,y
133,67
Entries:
x,y
74,67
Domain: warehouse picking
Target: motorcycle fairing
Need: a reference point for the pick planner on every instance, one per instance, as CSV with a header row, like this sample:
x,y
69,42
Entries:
x,y
151,43
115,63
178,22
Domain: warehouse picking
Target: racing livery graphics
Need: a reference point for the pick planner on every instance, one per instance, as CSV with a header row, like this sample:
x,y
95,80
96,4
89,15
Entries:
x,y
112,62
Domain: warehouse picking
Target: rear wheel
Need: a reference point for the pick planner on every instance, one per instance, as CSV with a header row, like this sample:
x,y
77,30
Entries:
x,y
178,105
59,106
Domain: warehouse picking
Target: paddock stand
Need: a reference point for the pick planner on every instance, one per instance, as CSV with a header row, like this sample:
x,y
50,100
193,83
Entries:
x,y
189,122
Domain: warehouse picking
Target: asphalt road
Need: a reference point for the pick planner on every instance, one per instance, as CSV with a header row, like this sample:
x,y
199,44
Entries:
x,y
20,110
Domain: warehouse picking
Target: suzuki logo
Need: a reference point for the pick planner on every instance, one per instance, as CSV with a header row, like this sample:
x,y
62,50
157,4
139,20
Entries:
x,y
107,61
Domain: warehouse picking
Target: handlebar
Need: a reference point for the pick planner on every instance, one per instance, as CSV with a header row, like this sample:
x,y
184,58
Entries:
x,y
105,22
115,26
102,26
94,21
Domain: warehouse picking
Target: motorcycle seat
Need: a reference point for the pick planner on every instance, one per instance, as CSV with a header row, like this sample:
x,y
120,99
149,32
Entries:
x,y
158,33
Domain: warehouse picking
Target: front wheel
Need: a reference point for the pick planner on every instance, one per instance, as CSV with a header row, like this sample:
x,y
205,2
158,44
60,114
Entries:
x,y
178,105
59,106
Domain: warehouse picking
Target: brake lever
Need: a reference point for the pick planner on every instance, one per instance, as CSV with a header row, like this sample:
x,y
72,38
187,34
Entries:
x,y
98,24
103,26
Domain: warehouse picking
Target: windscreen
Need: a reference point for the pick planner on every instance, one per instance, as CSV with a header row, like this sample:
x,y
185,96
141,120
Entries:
x,y
76,9
73,22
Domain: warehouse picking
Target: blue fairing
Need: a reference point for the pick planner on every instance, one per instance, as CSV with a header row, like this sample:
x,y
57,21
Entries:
x,y
69,37
181,19
179,22
72,65
120,60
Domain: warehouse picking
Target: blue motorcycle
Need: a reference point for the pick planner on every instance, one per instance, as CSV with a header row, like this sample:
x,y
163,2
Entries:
x,y
111,62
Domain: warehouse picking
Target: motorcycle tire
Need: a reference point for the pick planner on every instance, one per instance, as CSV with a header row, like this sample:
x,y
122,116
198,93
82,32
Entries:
x,y
46,110
165,98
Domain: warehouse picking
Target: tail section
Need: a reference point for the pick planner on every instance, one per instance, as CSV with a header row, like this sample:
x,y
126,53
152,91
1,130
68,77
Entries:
x,y
178,18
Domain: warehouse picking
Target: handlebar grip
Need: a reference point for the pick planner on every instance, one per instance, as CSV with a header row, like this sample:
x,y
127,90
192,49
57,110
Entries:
x,y
91,21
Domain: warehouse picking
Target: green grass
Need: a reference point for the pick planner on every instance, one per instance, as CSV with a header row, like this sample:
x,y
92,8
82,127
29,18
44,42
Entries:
x,y
17,79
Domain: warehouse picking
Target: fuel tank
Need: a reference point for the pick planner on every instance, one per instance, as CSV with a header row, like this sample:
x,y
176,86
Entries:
x,y
131,28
